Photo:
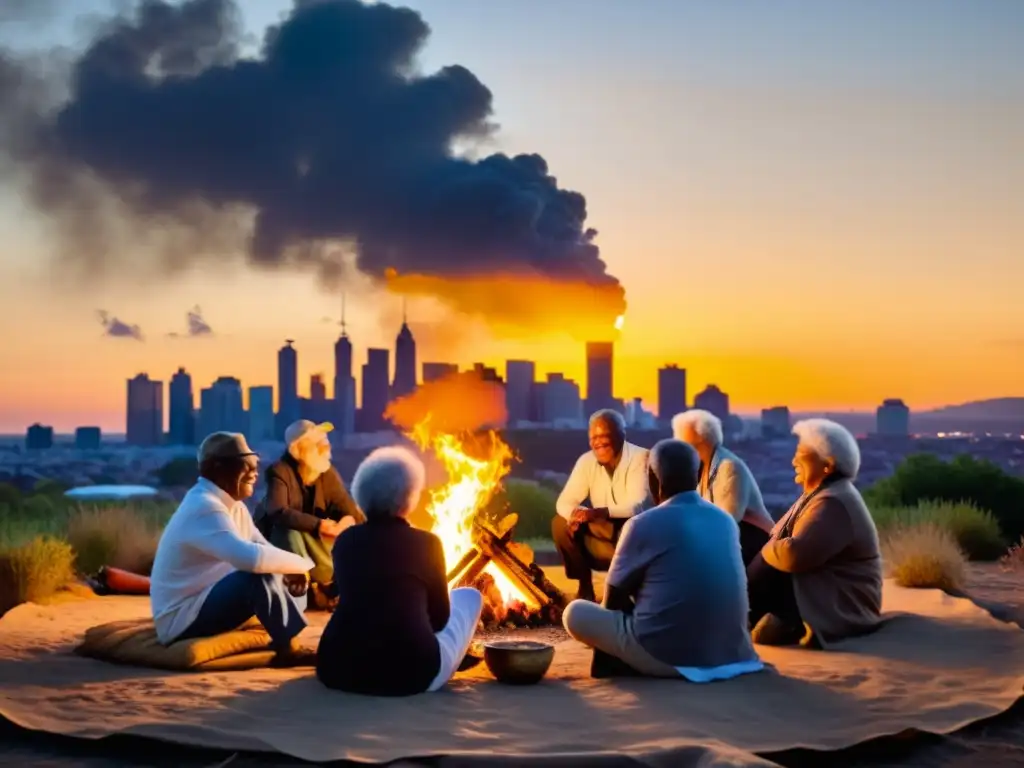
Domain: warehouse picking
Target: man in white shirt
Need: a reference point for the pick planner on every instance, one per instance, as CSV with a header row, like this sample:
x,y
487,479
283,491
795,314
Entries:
x,y
724,479
214,570
612,475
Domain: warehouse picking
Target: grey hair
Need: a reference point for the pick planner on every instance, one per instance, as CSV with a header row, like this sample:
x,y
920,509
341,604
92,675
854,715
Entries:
x,y
389,482
830,441
675,464
610,417
707,426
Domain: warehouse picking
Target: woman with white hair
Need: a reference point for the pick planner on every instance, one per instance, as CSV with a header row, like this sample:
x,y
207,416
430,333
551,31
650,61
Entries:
x,y
396,630
819,577
725,479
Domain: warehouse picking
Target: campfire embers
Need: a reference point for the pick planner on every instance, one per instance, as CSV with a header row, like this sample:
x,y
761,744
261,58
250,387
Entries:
x,y
536,602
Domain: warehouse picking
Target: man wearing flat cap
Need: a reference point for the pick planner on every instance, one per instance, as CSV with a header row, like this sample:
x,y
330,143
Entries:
x,y
214,570
307,505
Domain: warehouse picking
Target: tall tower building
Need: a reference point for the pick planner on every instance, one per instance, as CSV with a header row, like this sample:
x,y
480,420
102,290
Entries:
x,y
892,419
671,392
181,428
599,375
405,361
519,380
261,415
344,382
221,408
145,411
713,400
288,408
375,390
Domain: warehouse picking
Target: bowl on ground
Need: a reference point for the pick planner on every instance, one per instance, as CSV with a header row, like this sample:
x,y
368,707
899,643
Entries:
x,y
518,662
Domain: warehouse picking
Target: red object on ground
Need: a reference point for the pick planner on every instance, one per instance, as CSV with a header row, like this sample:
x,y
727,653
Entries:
x,y
124,582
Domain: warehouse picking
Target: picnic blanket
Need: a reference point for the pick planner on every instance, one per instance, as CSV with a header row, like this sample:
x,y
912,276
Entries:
x,y
134,642
938,664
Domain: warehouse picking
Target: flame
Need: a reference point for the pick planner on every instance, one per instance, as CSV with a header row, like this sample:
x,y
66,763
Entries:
x,y
472,482
619,322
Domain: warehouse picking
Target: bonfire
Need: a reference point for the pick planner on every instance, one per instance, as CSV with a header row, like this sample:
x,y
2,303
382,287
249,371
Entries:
x,y
478,548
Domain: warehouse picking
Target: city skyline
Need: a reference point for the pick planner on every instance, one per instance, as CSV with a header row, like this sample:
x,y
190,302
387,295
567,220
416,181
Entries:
x,y
821,199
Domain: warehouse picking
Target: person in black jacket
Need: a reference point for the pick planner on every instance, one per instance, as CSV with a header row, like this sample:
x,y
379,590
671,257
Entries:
x,y
306,505
396,630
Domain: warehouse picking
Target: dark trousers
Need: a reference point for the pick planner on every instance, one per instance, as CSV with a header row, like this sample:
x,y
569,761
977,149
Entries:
x,y
238,597
590,549
752,539
771,591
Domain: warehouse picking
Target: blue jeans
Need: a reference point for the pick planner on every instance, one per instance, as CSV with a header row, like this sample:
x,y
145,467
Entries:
x,y
238,597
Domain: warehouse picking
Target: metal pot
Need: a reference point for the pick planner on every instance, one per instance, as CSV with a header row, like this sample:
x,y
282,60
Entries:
x,y
518,662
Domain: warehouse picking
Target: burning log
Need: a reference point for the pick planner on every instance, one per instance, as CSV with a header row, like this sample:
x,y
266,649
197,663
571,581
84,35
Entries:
x,y
538,600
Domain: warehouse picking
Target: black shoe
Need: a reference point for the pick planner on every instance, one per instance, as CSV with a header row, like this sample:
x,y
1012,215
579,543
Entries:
x,y
771,630
586,592
605,665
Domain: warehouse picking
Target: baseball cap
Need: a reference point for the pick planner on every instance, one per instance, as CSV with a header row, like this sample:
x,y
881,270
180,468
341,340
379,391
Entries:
x,y
303,428
224,445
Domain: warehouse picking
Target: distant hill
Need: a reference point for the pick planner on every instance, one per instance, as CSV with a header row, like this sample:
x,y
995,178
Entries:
x,y
997,409
999,415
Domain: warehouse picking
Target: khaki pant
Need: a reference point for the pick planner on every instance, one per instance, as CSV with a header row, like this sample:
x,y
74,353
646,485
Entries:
x,y
612,632
308,545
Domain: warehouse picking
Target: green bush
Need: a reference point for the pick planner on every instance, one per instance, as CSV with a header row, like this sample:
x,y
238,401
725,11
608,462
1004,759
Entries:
x,y
534,503
926,477
34,571
976,531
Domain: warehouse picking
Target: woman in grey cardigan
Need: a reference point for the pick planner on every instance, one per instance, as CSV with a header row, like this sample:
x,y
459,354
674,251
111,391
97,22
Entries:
x,y
819,577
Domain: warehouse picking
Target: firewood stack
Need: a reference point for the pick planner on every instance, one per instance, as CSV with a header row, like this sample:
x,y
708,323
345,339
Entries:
x,y
540,602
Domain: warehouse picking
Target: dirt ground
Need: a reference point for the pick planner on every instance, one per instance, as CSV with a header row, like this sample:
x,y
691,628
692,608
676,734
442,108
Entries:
x,y
998,743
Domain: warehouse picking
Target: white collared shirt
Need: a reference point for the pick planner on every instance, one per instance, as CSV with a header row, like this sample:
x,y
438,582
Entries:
x,y
625,492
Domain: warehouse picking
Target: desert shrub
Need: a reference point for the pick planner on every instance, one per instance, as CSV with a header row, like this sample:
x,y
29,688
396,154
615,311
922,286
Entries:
x,y
34,571
1013,560
179,471
924,556
923,477
976,531
534,504
118,536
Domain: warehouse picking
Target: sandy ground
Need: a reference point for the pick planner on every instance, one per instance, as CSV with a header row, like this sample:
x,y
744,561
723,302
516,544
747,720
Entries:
x,y
997,743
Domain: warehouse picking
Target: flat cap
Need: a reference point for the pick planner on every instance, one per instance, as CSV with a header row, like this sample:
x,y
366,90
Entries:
x,y
224,445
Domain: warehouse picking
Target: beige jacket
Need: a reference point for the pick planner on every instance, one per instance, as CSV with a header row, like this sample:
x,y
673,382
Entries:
x,y
834,557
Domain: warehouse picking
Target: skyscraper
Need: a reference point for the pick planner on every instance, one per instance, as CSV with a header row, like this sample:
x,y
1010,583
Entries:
x,y
376,390
671,392
145,425
317,388
435,371
599,375
38,438
287,386
892,419
405,362
775,422
344,383
261,415
221,407
519,379
558,400
714,400
182,422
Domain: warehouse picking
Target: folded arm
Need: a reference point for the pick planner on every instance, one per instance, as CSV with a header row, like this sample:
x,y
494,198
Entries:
x,y
279,513
821,532
216,536
626,572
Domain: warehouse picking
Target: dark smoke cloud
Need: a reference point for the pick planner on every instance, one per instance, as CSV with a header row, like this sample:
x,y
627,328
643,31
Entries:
x,y
117,328
196,325
330,134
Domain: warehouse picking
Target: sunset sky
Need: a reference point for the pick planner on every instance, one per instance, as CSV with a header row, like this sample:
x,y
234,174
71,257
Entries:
x,y
811,204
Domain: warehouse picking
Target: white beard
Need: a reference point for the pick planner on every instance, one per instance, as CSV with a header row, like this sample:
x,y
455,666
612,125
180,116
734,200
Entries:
x,y
315,465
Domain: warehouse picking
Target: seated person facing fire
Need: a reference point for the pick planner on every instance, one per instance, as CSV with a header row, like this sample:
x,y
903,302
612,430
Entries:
x,y
396,631
725,480
612,475
214,570
675,602
306,504
819,577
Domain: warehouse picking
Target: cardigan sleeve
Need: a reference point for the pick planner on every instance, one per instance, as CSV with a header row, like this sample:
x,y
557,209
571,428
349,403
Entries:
x,y
821,532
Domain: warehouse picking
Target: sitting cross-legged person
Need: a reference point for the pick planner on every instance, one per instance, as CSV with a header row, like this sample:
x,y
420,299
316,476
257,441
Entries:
x,y
214,571
307,505
676,595
819,577
396,630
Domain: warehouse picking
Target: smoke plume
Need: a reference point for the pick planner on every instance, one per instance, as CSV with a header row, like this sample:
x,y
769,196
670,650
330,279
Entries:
x,y
330,136
195,324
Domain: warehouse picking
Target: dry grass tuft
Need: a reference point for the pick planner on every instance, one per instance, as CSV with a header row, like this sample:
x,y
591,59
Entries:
x,y
119,537
924,556
1013,560
33,572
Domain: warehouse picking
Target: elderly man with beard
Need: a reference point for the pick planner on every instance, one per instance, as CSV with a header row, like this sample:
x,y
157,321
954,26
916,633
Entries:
x,y
307,505
612,476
